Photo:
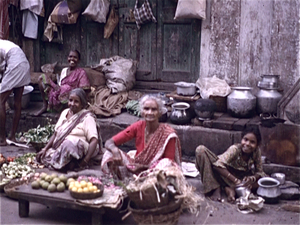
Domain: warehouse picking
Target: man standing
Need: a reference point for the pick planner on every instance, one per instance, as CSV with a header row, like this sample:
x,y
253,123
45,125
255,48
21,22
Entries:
x,y
15,74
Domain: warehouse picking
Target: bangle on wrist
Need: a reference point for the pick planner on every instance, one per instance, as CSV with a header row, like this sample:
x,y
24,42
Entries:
x,y
228,175
235,180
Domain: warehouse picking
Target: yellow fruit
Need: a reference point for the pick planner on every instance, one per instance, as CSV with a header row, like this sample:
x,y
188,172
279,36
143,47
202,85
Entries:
x,y
70,180
83,183
79,190
74,189
95,188
85,190
89,184
77,184
91,189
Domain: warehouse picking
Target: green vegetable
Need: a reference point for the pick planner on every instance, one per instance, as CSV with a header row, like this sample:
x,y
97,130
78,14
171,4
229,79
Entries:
x,y
38,134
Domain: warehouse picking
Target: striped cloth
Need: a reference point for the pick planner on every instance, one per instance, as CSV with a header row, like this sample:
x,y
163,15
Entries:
x,y
143,14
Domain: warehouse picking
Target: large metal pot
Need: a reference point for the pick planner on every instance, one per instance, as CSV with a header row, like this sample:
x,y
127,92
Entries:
x,y
180,114
267,100
205,108
269,189
241,102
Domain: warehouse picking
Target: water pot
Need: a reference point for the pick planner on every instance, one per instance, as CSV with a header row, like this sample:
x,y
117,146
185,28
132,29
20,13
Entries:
x,y
179,114
241,102
267,100
205,108
268,81
269,189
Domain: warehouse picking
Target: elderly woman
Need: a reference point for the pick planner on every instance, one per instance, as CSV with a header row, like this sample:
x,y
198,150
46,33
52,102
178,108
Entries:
x,y
239,165
154,141
76,140
55,96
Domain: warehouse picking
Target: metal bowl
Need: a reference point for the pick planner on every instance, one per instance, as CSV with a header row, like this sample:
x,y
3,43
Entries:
x,y
279,176
25,98
242,191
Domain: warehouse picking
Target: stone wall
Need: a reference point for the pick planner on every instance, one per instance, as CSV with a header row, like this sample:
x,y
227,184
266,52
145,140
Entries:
x,y
243,39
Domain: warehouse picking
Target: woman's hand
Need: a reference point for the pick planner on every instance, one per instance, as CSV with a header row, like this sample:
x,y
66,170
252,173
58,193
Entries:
x,y
137,168
249,181
41,154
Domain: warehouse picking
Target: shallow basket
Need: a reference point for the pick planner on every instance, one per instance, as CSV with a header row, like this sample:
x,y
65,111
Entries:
x,y
82,195
168,214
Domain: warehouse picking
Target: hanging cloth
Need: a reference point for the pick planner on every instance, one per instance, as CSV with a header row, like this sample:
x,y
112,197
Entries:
x,y
4,19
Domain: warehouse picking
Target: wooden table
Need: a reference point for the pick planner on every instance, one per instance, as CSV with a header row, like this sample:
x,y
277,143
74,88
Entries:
x,y
26,194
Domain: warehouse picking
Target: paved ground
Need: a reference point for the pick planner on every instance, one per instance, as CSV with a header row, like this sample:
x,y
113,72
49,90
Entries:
x,y
210,212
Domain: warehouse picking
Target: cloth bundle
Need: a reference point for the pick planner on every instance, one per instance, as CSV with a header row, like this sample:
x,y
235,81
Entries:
x,y
143,14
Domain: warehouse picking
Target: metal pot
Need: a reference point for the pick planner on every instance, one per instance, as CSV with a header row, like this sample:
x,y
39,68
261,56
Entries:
x,y
267,100
25,98
279,176
269,189
179,114
184,88
205,108
269,81
241,102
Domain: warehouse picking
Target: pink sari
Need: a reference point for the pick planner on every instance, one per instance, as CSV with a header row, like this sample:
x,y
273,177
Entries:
x,y
58,95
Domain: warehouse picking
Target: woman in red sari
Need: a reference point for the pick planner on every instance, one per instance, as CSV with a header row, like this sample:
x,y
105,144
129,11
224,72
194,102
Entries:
x,y
55,96
154,141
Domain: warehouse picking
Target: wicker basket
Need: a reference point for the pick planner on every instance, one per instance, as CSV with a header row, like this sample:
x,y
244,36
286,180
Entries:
x,y
82,195
168,214
149,198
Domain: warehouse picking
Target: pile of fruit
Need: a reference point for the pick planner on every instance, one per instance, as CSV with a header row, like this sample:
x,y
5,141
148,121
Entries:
x,y
51,183
82,186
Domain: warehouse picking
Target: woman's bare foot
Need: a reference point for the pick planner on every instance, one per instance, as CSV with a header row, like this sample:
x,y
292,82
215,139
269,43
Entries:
x,y
230,192
215,195
41,111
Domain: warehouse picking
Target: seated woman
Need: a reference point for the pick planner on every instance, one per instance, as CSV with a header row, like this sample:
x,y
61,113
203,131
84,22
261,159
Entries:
x,y
153,140
55,96
76,141
239,165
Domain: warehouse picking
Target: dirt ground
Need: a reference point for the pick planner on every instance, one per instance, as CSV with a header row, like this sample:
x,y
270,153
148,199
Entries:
x,y
210,212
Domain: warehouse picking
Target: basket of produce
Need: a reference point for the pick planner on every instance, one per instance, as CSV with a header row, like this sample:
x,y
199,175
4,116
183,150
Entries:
x,y
38,137
85,188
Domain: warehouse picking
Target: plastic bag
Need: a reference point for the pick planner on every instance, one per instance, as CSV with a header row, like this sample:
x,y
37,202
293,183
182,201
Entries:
x,y
97,10
212,86
112,22
191,9
119,73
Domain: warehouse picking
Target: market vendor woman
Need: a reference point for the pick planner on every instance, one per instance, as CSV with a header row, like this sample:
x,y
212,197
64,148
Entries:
x,y
154,141
240,164
75,142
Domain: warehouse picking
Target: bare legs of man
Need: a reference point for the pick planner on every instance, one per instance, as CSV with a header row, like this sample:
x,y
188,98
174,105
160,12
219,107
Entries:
x,y
18,92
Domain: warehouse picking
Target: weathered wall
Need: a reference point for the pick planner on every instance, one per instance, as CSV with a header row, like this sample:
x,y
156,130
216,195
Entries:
x,y
243,39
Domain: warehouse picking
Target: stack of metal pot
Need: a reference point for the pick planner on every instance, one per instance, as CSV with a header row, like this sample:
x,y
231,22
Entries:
x,y
268,95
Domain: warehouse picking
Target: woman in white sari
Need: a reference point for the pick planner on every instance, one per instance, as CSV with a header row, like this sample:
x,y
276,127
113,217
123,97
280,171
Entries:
x,y
76,141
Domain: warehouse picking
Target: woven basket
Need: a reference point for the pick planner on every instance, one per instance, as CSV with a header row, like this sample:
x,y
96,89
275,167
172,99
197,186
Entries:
x,y
168,214
149,198
82,195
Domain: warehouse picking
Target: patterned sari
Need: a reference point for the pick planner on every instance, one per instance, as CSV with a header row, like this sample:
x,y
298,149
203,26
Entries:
x,y
57,94
150,155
